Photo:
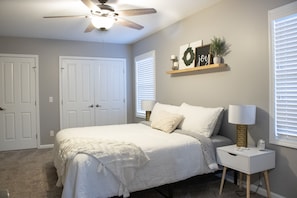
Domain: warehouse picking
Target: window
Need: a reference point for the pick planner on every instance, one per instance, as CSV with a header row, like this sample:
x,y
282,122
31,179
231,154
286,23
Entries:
x,y
145,80
283,75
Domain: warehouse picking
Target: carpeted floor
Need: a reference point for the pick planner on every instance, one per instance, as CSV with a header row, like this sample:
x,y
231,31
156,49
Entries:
x,y
31,174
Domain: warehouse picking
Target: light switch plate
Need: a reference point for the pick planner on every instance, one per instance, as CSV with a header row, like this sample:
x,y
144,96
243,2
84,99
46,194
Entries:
x,y
51,99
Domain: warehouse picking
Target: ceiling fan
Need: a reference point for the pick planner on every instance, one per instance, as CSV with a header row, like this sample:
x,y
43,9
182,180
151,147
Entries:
x,y
104,16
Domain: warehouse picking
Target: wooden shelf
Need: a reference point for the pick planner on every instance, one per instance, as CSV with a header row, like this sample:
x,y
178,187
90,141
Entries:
x,y
199,68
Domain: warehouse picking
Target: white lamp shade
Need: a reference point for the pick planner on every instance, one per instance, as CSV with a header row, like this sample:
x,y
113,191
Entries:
x,y
242,114
102,22
147,105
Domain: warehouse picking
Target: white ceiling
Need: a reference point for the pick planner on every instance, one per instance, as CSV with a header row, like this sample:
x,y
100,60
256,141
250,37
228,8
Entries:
x,y
24,18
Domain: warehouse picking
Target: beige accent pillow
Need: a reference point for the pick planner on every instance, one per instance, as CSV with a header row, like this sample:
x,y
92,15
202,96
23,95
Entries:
x,y
166,121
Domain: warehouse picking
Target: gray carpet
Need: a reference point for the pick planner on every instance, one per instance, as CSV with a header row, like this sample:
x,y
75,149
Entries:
x,y
31,174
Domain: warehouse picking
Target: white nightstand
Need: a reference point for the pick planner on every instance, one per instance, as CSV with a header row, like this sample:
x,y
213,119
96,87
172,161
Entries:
x,y
246,160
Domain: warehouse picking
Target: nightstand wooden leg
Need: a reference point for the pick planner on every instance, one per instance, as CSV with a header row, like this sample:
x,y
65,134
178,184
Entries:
x,y
267,183
248,185
223,179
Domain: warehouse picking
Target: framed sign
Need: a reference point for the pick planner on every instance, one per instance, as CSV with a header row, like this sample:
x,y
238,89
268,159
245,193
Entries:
x,y
187,54
203,56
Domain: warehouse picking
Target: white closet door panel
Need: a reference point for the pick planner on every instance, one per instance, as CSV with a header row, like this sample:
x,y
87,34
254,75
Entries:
x,y
18,120
78,94
70,84
110,92
71,118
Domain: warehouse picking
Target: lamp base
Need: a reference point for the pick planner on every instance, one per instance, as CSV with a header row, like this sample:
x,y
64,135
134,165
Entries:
x,y
241,135
147,115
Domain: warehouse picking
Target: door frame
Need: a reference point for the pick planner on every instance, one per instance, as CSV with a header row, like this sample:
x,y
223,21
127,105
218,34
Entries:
x,y
61,58
36,59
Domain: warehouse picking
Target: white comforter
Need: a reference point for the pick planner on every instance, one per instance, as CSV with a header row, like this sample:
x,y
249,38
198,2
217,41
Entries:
x,y
173,157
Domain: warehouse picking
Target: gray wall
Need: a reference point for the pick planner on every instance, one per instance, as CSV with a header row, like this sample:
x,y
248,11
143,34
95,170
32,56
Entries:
x,y
49,52
244,24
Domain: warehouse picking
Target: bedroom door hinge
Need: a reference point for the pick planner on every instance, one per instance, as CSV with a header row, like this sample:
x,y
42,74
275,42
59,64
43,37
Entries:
x,y
36,136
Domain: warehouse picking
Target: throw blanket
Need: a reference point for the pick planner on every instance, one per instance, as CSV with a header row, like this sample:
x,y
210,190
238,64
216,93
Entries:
x,y
207,148
120,158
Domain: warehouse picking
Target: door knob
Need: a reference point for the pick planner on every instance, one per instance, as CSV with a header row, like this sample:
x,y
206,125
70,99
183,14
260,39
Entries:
x,y
98,105
91,106
2,109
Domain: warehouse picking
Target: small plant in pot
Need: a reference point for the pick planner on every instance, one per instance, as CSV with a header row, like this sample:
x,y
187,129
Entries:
x,y
219,48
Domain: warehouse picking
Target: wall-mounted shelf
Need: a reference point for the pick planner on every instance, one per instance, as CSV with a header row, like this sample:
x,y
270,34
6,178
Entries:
x,y
199,68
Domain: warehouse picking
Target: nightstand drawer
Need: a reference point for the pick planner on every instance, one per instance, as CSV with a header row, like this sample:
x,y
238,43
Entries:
x,y
248,160
232,160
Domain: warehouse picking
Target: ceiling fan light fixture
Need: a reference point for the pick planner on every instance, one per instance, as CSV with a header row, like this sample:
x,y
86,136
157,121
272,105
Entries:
x,y
103,22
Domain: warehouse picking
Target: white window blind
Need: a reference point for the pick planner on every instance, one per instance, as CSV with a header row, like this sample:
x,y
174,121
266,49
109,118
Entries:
x,y
283,101
145,80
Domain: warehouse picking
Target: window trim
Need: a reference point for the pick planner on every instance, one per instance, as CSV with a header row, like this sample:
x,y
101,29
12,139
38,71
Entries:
x,y
277,13
150,54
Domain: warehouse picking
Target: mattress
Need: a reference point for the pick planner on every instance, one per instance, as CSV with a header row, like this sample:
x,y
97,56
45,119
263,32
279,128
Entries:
x,y
172,157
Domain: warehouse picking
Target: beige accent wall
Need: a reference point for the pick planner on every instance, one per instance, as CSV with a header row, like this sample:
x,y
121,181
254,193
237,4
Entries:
x,y
49,52
244,24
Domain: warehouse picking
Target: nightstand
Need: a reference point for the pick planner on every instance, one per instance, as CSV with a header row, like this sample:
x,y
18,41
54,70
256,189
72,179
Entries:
x,y
248,161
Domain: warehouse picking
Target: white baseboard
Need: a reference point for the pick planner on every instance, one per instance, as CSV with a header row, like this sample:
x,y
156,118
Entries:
x,y
260,191
45,146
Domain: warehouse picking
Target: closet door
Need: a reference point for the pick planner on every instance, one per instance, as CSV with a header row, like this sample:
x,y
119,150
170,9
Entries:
x,y
92,91
77,92
110,92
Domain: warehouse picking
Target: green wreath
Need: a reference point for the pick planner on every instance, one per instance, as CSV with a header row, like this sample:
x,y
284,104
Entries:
x,y
188,61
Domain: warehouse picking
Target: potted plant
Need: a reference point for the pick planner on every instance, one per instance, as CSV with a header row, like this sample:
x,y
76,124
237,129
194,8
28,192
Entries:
x,y
219,48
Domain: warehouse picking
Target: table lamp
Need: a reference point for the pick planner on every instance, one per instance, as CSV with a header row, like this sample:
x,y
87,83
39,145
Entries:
x,y
242,115
147,106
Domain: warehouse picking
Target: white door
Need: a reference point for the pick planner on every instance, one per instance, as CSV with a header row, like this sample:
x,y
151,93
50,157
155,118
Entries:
x,y
77,93
110,92
92,91
18,115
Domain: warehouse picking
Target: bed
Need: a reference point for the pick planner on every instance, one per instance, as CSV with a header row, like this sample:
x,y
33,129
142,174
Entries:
x,y
115,160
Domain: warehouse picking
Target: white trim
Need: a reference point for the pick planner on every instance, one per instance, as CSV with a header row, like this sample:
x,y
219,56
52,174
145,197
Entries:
x,y
36,58
46,146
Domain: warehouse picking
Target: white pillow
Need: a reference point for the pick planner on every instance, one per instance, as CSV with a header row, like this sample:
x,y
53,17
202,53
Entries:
x,y
201,120
166,121
163,107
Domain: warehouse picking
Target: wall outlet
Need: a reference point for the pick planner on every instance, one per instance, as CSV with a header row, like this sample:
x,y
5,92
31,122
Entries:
x,y
52,133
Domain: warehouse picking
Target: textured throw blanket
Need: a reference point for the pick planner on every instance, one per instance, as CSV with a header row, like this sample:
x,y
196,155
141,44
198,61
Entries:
x,y
120,158
207,148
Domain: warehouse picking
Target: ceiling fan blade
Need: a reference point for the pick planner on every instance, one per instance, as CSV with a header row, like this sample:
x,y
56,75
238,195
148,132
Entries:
x,y
70,16
134,12
91,5
129,24
90,28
